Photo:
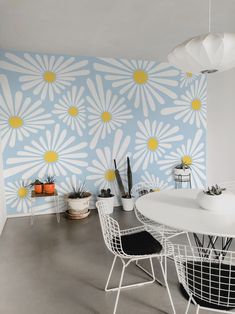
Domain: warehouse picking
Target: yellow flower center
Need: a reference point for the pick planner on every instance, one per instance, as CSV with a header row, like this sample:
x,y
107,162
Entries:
x,y
140,77
73,111
186,159
110,175
106,116
22,192
152,143
15,122
49,77
156,190
196,104
189,74
50,156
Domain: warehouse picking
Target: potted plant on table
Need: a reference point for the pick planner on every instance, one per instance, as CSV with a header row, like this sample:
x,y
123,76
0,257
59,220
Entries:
x,y
49,185
216,198
108,197
127,200
37,186
182,171
78,202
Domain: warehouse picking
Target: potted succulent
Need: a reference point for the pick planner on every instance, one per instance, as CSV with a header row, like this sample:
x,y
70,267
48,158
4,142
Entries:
x,y
78,200
182,171
127,200
49,185
216,198
108,197
37,186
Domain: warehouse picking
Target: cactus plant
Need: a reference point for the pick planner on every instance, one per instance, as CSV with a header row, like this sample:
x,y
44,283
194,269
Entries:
x,y
79,192
105,193
123,193
214,190
129,178
182,165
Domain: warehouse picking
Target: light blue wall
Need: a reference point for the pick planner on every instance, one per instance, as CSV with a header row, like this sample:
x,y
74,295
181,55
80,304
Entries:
x,y
71,116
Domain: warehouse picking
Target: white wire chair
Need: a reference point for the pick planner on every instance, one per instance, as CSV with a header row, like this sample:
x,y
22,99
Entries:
x,y
141,189
114,240
208,277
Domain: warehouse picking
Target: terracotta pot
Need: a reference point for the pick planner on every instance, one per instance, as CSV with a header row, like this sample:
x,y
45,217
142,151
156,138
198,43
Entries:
x,y
49,188
38,188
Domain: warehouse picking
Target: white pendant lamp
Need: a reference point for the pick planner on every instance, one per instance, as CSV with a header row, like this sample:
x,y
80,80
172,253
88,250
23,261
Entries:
x,y
206,53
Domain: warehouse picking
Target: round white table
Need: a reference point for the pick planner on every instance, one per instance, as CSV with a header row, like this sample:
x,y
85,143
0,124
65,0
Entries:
x,y
179,209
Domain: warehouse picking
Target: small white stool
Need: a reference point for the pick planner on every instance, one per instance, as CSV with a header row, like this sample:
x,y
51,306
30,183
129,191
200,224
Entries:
x,y
34,196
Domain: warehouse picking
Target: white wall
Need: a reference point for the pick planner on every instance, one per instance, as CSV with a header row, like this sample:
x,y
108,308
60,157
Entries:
x,y
221,127
3,216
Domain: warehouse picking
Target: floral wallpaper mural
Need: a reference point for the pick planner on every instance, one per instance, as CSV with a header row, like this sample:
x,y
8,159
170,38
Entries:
x,y
71,116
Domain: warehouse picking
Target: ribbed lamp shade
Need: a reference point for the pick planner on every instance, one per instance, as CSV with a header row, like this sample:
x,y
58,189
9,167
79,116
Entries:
x,y
205,53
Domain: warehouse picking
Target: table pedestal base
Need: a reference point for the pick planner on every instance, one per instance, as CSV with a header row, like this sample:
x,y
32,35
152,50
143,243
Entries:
x,y
212,242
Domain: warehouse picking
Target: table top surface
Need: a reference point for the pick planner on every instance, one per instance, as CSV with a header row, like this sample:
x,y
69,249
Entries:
x,y
33,194
179,209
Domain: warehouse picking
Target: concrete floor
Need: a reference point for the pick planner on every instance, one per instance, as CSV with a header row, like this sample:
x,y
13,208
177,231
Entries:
x,y
53,268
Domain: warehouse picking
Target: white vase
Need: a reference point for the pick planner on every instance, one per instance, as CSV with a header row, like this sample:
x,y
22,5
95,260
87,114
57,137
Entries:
x,y
109,201
78,204
127,204
182,174
222,202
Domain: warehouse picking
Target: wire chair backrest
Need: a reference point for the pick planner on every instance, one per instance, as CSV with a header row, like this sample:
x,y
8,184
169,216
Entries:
x,y
138,190
207,274
110,229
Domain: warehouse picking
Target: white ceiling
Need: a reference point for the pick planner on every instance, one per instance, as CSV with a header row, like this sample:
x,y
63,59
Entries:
x,y
145,29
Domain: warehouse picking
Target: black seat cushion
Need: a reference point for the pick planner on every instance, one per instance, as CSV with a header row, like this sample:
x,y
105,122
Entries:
x,y
211,283
140,243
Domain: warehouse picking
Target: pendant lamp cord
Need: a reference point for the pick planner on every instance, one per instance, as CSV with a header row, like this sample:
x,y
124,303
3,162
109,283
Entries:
x,y
209,20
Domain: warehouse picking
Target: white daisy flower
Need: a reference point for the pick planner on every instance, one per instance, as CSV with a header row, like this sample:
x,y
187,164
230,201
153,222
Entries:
x,y
192,153
157,184
102,168
54,154
144,82
107,111
18,116
19,200
152,141
186,78
191,107
45,75
18,196
71,109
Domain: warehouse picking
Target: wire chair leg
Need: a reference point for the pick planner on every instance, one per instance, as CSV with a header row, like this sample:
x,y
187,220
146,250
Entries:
x,y
197,311
165,260
189,241
167,287
150,274
188,305
119,288
110,273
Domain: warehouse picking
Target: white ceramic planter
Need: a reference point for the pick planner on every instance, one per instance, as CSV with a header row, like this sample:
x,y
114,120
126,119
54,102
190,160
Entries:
x,y
78,204
222,202
109,201
128,204
182,174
